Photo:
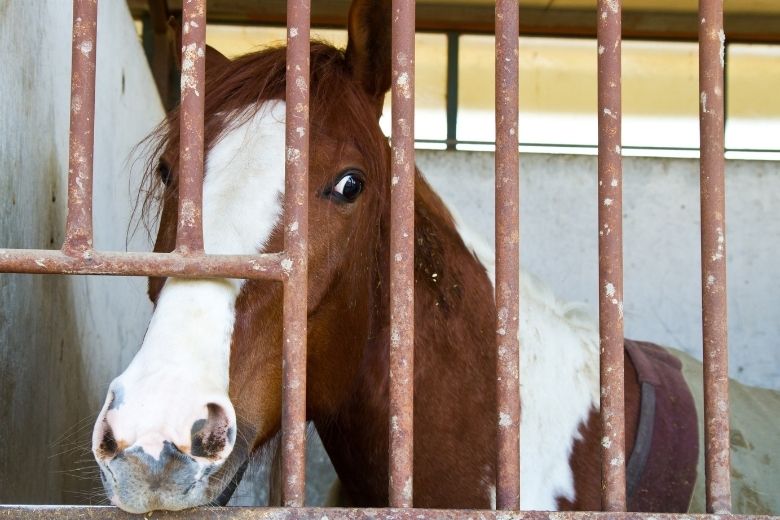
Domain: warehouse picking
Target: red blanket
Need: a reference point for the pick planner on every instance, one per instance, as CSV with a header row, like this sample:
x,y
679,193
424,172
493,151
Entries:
x,y
667,431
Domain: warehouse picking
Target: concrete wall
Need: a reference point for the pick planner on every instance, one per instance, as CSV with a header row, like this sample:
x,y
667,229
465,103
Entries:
x,y
62,339
662,295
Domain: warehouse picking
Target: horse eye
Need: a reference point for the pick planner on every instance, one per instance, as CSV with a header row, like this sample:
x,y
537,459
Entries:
x,y
164,171
348,187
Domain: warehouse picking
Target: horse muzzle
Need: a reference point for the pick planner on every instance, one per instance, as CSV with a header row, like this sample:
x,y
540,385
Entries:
x,y
153,455
137,482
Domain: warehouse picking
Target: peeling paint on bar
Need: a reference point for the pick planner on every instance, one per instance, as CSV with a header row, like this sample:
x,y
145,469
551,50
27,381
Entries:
x,y
189,231
611,257
318,513
296,248
507,288
713,254
78,227
400,485
90,262
403,85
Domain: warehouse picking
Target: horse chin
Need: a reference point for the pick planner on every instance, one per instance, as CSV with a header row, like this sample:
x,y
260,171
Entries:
x,y
138,495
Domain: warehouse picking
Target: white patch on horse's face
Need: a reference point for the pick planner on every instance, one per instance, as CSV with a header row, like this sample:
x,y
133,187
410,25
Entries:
x,y
183,365
559,375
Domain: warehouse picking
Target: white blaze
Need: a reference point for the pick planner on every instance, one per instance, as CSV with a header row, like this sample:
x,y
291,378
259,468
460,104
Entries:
x,y
183,363
243,184
184,357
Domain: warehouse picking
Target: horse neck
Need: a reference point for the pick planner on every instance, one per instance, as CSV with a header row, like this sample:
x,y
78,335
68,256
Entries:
x,y
454,415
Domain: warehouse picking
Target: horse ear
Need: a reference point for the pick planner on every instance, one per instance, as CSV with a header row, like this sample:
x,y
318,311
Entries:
x,y
369,46
215,59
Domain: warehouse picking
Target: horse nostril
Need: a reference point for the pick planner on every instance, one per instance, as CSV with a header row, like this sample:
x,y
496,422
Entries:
x,y
211,436
108,446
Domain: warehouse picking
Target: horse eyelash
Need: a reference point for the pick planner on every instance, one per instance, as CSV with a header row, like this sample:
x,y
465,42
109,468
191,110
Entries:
x,y
164,172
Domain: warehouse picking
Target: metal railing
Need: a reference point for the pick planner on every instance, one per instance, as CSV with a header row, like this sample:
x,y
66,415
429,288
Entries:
x,y
77,255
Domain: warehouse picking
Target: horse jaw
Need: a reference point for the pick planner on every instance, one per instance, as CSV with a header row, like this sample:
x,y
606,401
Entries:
x,y
177,384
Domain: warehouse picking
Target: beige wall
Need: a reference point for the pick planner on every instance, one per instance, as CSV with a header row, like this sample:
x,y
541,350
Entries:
x,y
741,6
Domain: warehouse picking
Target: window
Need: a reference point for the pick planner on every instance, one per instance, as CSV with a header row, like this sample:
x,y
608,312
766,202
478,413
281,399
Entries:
x,y
752,101
558,96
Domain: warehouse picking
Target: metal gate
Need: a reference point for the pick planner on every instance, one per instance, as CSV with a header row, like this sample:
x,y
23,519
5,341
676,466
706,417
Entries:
x,y
188,260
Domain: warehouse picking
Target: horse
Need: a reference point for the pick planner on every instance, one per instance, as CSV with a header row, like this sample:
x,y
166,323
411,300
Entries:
x,y
203,393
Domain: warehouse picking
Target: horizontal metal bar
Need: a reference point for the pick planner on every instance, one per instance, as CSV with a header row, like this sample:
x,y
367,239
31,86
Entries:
x,y
595,145
317,513
45,261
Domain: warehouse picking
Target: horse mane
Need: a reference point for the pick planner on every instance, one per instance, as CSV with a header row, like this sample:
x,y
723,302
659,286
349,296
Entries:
x,y
235,91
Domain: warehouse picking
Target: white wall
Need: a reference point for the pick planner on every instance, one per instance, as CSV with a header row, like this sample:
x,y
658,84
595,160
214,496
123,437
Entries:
x,y
662,295
62,339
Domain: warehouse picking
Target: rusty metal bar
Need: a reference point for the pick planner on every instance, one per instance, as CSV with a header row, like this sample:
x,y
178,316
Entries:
x,y
78,226
610,204
45,261
189,232
402,258
713,257
296,218
317,513
507,179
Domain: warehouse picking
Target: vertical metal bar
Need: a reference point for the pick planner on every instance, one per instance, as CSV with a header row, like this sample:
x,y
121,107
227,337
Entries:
x,y
296,225
189,233
78,227
453,40
402,258
507,255
713,256
725,54
610,204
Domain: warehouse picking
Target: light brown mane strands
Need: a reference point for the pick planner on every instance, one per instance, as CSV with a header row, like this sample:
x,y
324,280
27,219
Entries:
x,y
234,85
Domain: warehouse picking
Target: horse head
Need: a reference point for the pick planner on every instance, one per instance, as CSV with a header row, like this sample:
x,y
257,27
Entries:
x,y
204,390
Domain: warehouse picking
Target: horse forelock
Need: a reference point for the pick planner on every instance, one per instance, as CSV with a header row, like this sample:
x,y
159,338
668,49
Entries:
x,y
235,92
